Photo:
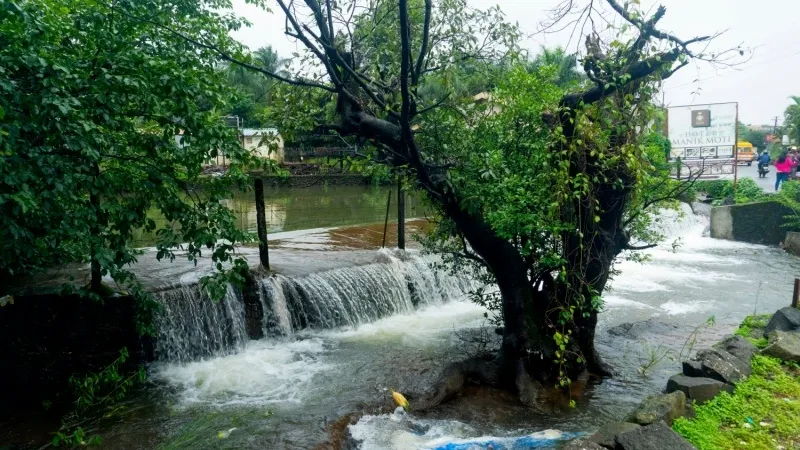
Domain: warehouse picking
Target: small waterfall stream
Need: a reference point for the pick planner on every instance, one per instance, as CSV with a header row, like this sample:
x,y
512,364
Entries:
x,y
193,326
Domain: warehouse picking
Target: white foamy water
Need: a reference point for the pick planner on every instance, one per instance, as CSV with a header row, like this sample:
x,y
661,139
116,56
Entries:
x,y
266,371
617,302
428,323
282,370
399,431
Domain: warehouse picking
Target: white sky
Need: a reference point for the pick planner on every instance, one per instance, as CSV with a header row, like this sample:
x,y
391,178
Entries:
x,y
761,86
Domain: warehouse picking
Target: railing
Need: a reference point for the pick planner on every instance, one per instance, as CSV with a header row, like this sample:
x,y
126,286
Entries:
x,y
299,154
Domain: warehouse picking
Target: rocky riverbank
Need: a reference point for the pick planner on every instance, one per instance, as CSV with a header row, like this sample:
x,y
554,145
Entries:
x,y
743,392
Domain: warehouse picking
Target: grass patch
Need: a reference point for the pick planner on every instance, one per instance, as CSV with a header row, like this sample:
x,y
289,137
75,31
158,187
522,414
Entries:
x,y
752,328
762,413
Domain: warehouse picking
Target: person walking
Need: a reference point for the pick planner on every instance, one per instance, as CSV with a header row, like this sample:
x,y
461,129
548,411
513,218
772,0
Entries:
x,y
783,165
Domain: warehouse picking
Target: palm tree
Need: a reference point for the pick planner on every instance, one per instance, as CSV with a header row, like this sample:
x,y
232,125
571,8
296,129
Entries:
x,y
791,119
255,87
567,73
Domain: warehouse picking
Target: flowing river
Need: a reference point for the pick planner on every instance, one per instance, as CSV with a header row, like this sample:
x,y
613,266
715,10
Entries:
x,y
340,340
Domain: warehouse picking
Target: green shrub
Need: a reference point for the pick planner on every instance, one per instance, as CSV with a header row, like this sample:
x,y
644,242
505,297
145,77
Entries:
x,y
747,190
762,413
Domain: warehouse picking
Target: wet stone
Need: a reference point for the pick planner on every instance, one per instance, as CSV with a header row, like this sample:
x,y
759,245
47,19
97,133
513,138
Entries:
x,y
785,319
606,434
657,436
783,345
738,347
635,330
581,444
698,389
665,407
723,366
693,369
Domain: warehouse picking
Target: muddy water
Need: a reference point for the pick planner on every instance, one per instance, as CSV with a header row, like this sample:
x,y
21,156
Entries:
x,y
292,392
315,206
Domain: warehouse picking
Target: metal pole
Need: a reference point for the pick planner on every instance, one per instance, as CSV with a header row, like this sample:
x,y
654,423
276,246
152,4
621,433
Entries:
x,y
261,221
386,220
796,293
401,215
736,152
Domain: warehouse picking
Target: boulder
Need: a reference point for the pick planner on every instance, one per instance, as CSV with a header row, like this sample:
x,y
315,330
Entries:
x,y
449,385
606,434
785,319
698,389
723,366
581,444
738,347
657,436
783,345
635,330
666,407
529,389
693,369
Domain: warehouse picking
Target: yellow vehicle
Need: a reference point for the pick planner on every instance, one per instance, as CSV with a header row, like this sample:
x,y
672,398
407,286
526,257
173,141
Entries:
x,y
745,153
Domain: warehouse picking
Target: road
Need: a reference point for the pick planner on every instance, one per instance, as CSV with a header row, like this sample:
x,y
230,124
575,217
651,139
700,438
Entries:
x,y
768,183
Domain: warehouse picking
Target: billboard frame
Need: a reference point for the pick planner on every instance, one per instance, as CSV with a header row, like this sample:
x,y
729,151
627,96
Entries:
x,y
735,139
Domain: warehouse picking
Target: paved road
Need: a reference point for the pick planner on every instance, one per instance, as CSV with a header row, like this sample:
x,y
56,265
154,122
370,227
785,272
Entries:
x,y
768,183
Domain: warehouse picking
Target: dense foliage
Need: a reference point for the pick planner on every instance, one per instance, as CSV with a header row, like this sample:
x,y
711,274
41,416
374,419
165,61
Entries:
x,y
791,119
92,95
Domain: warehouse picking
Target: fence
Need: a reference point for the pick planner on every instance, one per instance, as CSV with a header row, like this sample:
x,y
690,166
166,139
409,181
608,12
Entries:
x,y
299,154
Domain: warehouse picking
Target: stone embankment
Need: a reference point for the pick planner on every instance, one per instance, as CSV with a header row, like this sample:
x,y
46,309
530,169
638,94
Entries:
x,y
710,372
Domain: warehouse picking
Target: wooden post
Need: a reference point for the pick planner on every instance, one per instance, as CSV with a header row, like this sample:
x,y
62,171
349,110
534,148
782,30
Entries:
x,y
796,293
386,219
401,216
261,222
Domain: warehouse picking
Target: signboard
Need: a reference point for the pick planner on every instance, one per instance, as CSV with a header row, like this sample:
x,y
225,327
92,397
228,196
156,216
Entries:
x,y
703,138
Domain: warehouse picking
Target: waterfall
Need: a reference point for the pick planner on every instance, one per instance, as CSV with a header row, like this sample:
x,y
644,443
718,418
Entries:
x,y
354,295
194,326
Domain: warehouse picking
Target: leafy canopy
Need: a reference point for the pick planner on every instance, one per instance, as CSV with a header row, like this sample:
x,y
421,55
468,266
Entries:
x,y
92,97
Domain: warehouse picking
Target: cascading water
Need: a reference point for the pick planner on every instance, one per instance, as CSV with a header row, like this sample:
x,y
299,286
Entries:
x,y
280,392
193,326
355,295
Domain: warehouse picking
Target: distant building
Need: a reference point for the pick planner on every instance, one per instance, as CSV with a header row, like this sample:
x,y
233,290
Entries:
x,y
764,128
263,142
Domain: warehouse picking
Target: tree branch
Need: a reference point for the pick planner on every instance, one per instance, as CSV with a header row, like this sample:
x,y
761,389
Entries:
x,y
423,49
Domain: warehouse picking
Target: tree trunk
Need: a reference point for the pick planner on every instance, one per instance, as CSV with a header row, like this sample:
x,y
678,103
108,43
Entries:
x,y
261,223
96,283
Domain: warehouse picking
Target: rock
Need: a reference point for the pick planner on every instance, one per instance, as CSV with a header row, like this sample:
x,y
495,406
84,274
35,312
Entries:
x,y
738,347
721,365
785,319
666,407
783,345
693,369
606,434
581,444
449,384
698,389
529,389
657,436
635,330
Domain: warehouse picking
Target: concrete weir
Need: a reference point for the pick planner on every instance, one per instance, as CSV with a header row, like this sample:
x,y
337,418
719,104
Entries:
x,y
755,223
327,288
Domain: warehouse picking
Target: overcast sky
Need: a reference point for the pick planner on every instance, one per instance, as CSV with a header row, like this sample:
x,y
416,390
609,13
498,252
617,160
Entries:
x,y
761,86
